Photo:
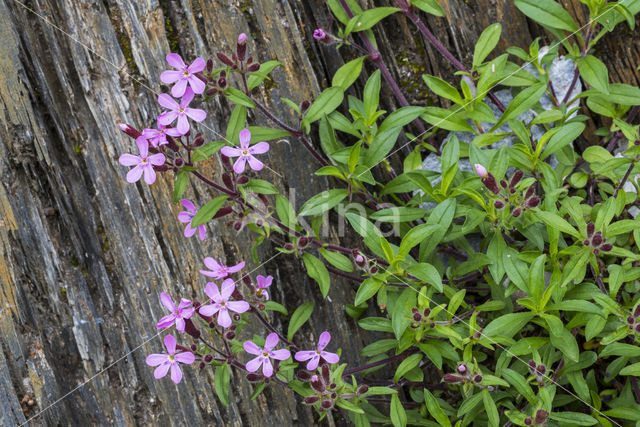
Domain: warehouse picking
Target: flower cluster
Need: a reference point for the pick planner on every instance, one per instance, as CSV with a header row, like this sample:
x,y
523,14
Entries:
x,y
508,192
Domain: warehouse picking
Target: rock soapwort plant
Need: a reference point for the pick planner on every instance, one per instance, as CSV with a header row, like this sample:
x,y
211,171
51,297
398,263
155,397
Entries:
x,y
507,291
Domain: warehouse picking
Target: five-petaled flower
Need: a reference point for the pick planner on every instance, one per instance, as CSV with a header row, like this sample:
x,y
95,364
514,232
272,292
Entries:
x,y
143,163
178,314
220,302
263,283
158,137
245,152
318,353
265,354
187,216
217,270
183,75
171,360
180,111
319,34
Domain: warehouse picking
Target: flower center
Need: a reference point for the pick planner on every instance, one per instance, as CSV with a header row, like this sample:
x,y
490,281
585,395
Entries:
x,y
245,152
181,110
223,303
186,73
265,354
171,358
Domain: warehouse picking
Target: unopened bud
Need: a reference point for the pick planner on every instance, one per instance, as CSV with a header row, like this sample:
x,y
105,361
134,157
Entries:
x,y
304,106
230,335
222,83
480,170
532,364
503,183
303,242
541,416
529,192
516,212
241,48
194,347
326,374
225,59
201,365
452,379
426,312
133,133
591,228
638,327
606,247
462,369
237,225
251,377
597,239
209,65
191,329
304,375
499,204
636,312
528,421
253,67
326,404
225,210
212,91
515,179
363,389
532,202
417,317
317,385
208,358
631,319
311,399
227,181
288,246
490,182
541,370
477,378
586,242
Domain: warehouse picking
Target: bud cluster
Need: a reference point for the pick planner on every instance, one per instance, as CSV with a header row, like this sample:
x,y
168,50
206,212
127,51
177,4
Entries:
x,y
464,376
421,317
539,371
634,320
595,240
539,419
508,195
369,266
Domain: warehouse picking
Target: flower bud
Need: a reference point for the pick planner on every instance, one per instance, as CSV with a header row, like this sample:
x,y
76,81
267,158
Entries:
x,y
230,335
462,369
288,246
541,416
503,183
516,212
426,312
541,370
319,34
194,347
638,328
212,91
208,358
326,374
222,83
597,239
631,319
311,399
515,179
304,375
499,204
606,247
480,170
191,329
477,378
253,67
198,141
161,168
529,192
237,225
452,379
209,65
360,260
303,241
636,312
249,60
591,227
178,162
241,48
586,242
317,384
490,182
363,389
226,180
528,421
225,59
133,133
532,364
201,365
202,77
417,317
242,180
326,404
225,210
304,106
252,377
532,202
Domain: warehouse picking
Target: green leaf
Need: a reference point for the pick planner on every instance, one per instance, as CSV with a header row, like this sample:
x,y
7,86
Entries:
x,y
208,211
325,103
547,13
348,73
486,43
400,117
620,349
211,148
507,325
221,383
520,384
596,154
415,236
371,96
564,136
274,306
445,119
442,88
238,97
371,17
469,403
397,413
258,77
367,289
429,6
317,271
490,408
400,319
182,179
522,102
427,273
345,404
536,278
435,410
260,186
323,202
573,418
380,324
631,370
398,214
406,365
339,261
260,133
368,231
620,93
594,72
382,144
298,318
558,223
285,212
236,123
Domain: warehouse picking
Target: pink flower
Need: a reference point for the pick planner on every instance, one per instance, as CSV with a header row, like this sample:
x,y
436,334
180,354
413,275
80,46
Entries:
x,y
263,284
480,170
187,217
184,75
264,354
245,153
218,270
318,354
158,137
165,361
220,302
242,38
319,34
143,163
178,314
180,111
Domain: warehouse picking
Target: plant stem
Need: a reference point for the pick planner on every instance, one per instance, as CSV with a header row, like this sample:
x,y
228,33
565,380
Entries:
x,y
268,325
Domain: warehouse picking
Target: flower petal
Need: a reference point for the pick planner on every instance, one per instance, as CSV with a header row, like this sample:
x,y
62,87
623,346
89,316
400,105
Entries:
x,y
167,118
170,76
176,61
143,147
211,264
185,357
254,364
271,341
236,268
230,151
325,337
162,370
330,357
255,164
188,205
179,88
196,114
170,343
176,373
259,148
197,65
156,159
251,348
186,313
245,138
208,310
134,174
183,124
187,97
156,359
238,306
129,160
227,288
168,102
264,282
212,291
185,217
149,174
238,166
267,368
166,321
196,84
301,356
313,363
166,300
202,232
189,231
282,354
224,319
